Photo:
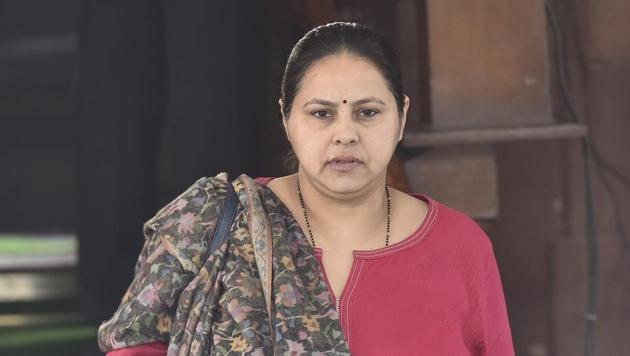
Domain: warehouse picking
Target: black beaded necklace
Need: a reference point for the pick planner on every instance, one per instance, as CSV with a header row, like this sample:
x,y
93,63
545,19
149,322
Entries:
x,y
308,225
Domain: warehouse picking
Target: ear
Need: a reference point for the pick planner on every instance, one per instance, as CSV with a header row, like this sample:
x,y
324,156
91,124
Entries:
x,y
281,107
284,119
403,120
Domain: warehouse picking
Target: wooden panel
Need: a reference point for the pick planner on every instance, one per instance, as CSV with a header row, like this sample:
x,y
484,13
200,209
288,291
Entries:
x,y
489,63
464,177
569,302
492,135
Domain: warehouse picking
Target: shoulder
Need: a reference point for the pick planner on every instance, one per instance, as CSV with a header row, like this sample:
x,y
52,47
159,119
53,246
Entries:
x,y
191,200
185,223
459,231
263,180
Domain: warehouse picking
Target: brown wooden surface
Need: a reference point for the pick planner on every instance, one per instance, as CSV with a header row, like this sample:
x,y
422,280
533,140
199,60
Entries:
x,y
488,63
463,177
492,135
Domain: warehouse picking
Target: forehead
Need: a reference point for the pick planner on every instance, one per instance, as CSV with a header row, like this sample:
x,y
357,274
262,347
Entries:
x,y
342,75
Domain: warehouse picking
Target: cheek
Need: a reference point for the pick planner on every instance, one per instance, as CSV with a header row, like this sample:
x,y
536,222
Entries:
x,y
308,144
380,153
380,141
380,149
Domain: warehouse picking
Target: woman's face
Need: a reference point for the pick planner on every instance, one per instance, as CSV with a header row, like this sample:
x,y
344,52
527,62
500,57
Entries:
x,y
344,108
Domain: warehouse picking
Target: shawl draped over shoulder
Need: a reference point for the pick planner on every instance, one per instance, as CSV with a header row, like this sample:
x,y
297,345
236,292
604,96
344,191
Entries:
x,y
261,293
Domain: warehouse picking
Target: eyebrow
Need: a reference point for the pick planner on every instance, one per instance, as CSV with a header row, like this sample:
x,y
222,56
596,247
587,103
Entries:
x,y
334,104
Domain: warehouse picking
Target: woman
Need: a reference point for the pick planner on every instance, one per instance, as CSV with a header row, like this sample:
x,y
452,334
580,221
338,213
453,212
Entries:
x,y
327,260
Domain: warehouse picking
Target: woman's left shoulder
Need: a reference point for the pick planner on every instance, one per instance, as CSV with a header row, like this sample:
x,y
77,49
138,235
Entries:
x,y
458,228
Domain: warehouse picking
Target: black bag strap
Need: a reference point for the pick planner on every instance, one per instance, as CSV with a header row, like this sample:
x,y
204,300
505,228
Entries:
x,y
225,220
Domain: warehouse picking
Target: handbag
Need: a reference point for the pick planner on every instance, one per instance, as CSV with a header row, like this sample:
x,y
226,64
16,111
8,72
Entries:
x,y
225,220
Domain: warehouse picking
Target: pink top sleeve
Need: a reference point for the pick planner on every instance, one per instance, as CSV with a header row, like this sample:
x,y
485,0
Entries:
x,y
151,349
496,328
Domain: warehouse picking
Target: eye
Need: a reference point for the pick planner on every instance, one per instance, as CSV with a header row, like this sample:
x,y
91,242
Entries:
x,y
367,113
318,114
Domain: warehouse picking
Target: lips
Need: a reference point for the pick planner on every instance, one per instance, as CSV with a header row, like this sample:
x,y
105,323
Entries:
x,y
344,163
344,159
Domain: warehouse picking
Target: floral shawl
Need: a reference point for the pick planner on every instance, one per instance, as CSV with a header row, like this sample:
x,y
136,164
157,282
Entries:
x,y
263,293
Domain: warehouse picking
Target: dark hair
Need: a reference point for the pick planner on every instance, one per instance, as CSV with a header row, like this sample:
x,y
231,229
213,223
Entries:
x,y
335,38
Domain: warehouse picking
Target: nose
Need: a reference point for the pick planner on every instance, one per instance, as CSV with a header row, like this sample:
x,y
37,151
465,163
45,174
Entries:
x,y
345,132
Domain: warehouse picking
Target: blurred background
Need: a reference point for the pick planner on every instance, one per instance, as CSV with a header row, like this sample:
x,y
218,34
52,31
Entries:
x,y
520,116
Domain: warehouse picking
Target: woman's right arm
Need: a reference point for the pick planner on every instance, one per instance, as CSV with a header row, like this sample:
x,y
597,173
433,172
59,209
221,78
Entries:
x,y
147,309
175,241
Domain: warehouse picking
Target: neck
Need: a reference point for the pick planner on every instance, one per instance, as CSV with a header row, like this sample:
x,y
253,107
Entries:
x,y
345,220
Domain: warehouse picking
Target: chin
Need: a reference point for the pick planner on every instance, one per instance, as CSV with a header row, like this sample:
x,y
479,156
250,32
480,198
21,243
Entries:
x,y
344,184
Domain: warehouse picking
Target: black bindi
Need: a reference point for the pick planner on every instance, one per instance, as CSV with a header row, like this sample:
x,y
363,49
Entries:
x,y
345,101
